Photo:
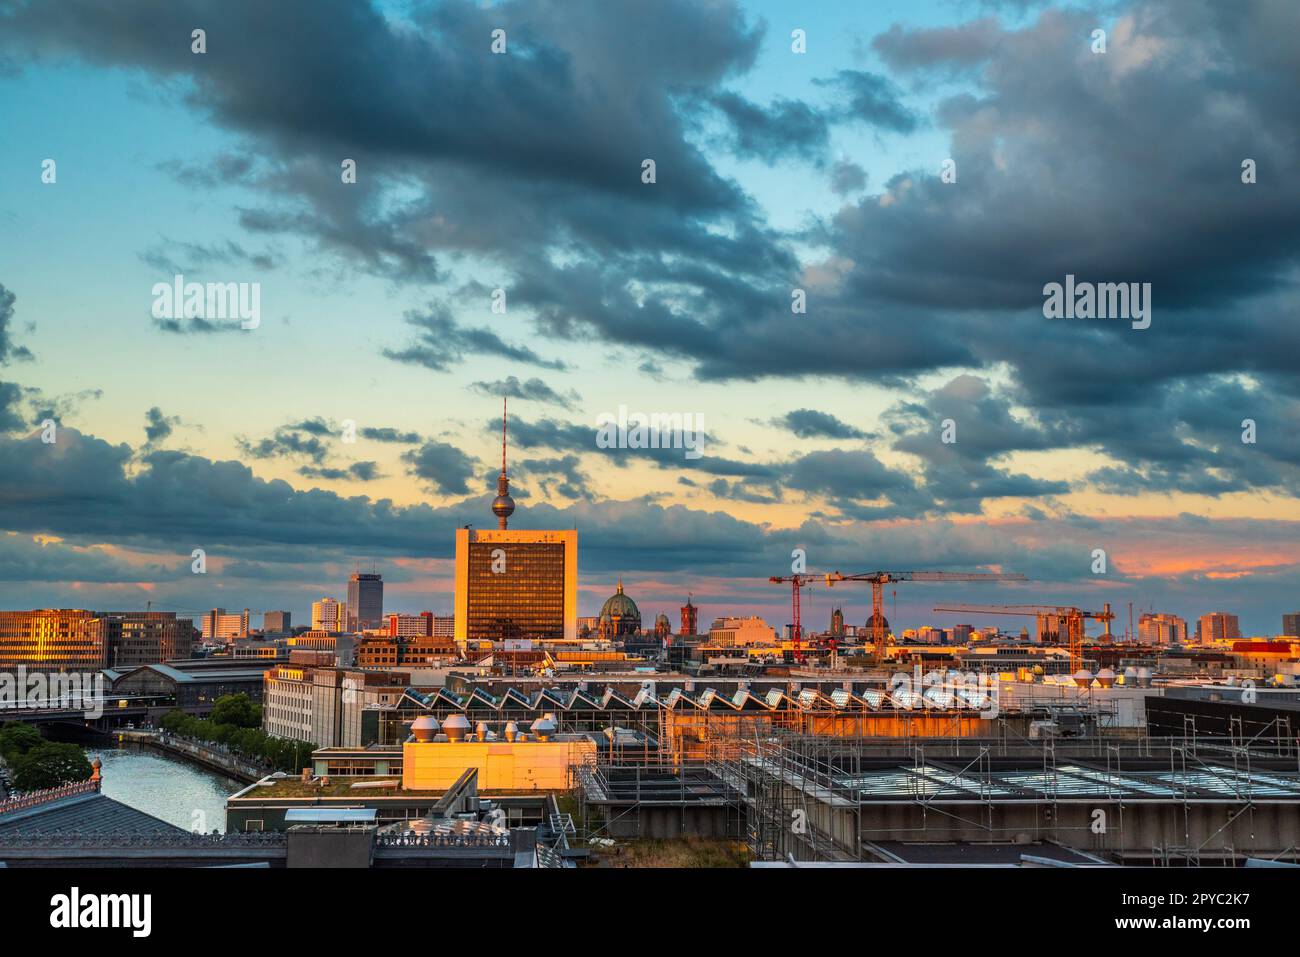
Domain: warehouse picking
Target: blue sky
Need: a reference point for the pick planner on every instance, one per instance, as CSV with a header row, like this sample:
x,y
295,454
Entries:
x,y
776,171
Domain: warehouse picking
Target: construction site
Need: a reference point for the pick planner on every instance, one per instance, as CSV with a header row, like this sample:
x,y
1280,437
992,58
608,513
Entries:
x,y
791,795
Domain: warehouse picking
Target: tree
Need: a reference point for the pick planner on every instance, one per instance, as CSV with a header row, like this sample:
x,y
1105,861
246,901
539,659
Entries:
x,y
16,739
238,710
49,765
174,721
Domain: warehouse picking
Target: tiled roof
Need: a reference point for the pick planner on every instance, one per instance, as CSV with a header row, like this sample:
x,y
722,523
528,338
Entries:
x,y
85,813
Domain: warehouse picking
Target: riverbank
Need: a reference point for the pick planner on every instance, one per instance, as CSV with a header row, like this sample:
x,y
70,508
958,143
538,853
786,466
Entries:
x,y
172,787
209,756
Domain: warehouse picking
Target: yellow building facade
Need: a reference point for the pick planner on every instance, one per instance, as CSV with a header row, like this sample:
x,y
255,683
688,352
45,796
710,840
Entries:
x,y
515,584
502,765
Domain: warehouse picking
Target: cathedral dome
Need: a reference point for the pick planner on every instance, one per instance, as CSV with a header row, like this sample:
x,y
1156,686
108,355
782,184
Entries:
x,y
620,606
619,616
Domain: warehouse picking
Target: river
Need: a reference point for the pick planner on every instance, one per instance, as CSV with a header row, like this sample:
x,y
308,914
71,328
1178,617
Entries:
x,y
167,787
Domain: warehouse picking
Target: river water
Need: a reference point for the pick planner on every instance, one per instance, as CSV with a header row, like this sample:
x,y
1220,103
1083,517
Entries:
x,y
167,787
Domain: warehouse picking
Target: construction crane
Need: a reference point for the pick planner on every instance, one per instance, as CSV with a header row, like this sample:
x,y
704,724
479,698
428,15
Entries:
x,y
879,580
797,583
1073,618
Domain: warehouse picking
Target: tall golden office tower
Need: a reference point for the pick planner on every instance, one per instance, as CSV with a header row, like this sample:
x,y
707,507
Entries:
x,y
512,583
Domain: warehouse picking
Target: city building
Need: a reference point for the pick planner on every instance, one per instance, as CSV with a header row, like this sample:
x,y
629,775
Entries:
x,y
365,601
219,626
1217,626
329,615
192,685
515,584
53,639
931,636
408,625
734,632
1291,624
390,651
511,760
444,626
690,618
276,623
619,616
1161,629
145,637
327,706
837,623
76,639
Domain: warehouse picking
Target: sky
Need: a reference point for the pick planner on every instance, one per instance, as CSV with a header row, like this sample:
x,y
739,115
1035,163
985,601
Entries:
x,y
799,153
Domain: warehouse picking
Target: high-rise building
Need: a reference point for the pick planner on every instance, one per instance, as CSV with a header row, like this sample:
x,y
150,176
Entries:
x,y
1291,624
1161,629
365,601
276,623
515,584
219,626
837,623
329,615
690,618
1217,625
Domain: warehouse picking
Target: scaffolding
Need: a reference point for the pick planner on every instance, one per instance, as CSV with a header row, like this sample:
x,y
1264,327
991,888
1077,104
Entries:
x,y
814,798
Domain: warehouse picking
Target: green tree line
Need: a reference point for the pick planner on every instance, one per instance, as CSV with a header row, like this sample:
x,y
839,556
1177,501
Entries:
x,y
235,723
37,764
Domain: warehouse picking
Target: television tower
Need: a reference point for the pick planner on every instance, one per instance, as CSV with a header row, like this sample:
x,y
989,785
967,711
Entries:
x,y
503,505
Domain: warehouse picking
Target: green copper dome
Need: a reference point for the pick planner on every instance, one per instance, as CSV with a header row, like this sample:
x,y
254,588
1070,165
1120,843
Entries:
x,y
619,605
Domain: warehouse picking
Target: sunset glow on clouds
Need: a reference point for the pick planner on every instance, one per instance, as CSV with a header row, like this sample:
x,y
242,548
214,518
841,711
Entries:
x,y
775,171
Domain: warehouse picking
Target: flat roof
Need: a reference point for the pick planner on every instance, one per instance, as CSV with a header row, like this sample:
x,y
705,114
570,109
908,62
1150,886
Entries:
x,y
329,815
1072,781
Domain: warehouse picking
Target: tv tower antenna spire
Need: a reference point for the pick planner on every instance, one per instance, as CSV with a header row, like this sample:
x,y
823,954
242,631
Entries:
x,y
503,505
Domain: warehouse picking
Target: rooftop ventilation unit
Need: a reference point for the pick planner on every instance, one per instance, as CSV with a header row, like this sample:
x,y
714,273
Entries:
x,y
455,727
424,727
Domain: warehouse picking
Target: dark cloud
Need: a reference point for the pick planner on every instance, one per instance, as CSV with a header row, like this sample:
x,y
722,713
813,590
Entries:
x,y
533,390
315,426
11,416
811,424
871,99
87,491
559,476
446,468
441,343
9,350
949,51
158,426
847,177
175,257
784,128
388,434
285,443
357,472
